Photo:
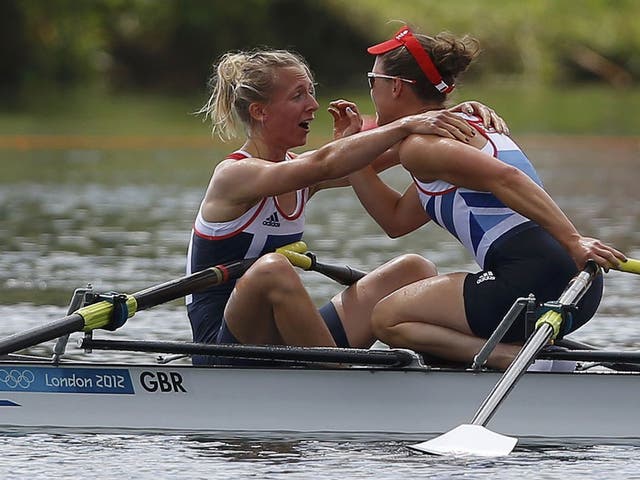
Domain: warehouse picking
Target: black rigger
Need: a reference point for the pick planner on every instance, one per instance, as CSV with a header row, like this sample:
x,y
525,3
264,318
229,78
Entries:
x,y
391,358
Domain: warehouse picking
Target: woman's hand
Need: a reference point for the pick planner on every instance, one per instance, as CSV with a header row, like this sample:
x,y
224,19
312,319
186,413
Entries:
x,y
442,123
490,119
585,248
346,118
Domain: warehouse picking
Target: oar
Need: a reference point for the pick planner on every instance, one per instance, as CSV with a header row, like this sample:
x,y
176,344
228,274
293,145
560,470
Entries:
x,y
630,266
100,315
342,274
475,438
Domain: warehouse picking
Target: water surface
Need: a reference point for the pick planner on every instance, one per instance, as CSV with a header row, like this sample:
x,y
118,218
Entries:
x,y
120,220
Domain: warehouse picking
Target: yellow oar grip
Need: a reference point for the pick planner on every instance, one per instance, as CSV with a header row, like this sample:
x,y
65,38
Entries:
x,y
630,266
298,247
554,319
295,254
99,314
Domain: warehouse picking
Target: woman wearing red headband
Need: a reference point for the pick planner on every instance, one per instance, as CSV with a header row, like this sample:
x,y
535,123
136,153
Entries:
x,y
486,193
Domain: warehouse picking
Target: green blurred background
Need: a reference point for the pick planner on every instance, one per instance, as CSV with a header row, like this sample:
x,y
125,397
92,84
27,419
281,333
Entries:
x,y
121,67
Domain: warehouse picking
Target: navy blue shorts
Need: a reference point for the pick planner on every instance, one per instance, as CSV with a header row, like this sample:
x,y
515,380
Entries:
x,y
530,261
205,317
327,312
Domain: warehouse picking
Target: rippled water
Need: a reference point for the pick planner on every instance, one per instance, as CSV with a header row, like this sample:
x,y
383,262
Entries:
x,y
188,457
184,457
121,220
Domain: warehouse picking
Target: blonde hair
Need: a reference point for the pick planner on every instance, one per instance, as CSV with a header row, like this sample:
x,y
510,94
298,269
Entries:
x,y
240,79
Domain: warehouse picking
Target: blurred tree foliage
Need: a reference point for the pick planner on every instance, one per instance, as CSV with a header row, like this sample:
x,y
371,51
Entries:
x,y
170,45
164,44
533,41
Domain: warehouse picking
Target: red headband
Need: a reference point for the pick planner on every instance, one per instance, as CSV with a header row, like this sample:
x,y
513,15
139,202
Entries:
x,y
404,37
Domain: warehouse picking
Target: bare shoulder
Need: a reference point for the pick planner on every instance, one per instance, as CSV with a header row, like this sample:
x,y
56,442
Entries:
x,y
421,147
231,190
418,142
235,170
223,173
432,145
230,176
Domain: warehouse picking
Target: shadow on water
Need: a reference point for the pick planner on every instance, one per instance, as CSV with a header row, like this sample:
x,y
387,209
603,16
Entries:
x,y
250,449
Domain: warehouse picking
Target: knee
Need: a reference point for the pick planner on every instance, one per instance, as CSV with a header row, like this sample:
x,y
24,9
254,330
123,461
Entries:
x,y
412,267
420,265
273,272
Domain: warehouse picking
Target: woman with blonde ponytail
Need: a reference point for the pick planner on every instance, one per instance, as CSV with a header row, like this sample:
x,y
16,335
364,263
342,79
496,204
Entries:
x,y
256,198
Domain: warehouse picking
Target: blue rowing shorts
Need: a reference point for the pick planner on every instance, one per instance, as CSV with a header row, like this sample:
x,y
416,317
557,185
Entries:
x,y
327,312
530,261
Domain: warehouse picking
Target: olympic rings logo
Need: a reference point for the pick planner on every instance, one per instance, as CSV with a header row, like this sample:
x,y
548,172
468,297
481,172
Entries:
x,y
17,378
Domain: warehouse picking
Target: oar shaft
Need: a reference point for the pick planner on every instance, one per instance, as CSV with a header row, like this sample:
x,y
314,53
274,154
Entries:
x,y
98,314
210,277
517,368
343,274
546,328
58,328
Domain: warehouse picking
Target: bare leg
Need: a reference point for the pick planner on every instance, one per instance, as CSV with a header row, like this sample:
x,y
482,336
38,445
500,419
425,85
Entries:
x,y
355,304
428,316
271,306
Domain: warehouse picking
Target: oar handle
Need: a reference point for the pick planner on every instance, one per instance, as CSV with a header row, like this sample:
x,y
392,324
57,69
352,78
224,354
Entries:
x,y
571,295
299,257
630,266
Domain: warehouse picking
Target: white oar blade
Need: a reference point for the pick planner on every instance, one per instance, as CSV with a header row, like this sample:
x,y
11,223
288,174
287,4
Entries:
x,y
468,440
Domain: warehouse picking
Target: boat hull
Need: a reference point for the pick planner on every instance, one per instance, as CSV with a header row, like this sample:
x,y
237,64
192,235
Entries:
x,y
407,402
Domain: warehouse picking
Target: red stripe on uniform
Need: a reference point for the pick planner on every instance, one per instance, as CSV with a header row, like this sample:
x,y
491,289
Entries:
x,y
235,232
444,192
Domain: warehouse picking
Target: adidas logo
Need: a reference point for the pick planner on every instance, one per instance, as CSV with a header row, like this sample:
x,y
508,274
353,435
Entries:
x,y
486,276
272,220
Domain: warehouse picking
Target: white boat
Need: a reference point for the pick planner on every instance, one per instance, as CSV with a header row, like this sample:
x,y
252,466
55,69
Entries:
x,y
340,392
312,391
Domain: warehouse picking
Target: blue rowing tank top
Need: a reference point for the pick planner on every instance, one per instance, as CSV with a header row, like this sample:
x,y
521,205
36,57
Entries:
x,y
477,219
261,229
